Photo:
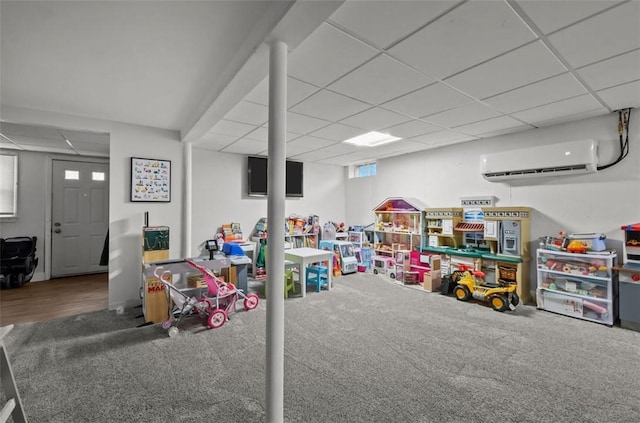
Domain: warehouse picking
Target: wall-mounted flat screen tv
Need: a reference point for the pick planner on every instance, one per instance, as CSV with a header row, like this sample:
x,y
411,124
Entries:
x,y
257,177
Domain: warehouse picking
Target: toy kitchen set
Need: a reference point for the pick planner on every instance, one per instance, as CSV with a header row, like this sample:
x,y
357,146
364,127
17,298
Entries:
x,y
494,240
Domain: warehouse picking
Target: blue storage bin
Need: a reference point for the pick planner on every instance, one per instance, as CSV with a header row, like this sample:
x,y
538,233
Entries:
x,y
232,249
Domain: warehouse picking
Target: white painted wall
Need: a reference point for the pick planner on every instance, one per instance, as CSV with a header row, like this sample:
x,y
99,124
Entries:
x,y
600,202
126,218
32,177
220,195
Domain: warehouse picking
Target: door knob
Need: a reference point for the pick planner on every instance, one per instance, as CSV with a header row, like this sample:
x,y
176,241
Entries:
x,y
56,224
57,231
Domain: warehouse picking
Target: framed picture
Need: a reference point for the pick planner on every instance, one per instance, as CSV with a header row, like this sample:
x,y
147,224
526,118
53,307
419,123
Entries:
x,y
150,180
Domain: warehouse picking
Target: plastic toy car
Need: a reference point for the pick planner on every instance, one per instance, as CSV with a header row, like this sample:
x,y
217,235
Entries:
x,y
470,285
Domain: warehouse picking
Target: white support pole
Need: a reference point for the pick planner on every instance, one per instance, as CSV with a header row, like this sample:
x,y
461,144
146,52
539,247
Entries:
x,y
187,188
275,235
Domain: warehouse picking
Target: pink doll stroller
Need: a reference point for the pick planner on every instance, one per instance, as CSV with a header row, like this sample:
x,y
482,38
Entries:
x,y
216,305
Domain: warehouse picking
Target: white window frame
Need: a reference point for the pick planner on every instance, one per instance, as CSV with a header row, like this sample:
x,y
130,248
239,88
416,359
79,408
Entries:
x,y
369,165
9,184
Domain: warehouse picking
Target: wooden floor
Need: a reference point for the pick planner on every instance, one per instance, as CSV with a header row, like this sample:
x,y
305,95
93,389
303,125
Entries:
x,y
46,300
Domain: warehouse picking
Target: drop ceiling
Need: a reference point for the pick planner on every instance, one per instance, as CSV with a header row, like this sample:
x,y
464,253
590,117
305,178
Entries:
x,y
434,73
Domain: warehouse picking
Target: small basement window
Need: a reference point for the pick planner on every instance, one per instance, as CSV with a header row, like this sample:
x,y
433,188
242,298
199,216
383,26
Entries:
x,y
8,185
363,170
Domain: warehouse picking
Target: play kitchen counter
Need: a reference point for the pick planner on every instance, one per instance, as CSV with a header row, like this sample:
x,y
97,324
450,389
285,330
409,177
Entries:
x,y
497,267
493,240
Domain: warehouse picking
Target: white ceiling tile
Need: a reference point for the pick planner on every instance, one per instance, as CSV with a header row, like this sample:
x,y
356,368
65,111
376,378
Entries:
x,y
245,146
390,78
326,55
408,146
212,138
329,106
600,37
262,134
296,91
90,137
56,148
90,147
306,144
614,71
260,93
314,156
375,118
427,101
451,142
622,96
259,134
571,117
311,143
412,129
520,67
583,103
57,144
462,38
340,160
510,130
337,132
342,148
227,127
398,148
247,112
301,124
537,94
212,144
441,137
468,113
384,22
489,125
552,15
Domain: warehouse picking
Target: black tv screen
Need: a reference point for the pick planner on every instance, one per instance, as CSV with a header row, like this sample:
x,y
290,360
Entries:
x,y
257,177
294,184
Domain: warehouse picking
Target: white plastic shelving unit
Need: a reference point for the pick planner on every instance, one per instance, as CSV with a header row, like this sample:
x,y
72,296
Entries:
x,y
584,286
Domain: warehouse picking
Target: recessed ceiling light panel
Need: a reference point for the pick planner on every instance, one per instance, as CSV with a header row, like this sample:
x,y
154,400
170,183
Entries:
x,y
371,139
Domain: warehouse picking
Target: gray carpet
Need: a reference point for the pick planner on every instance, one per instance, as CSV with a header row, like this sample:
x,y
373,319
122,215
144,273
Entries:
x,y
368,351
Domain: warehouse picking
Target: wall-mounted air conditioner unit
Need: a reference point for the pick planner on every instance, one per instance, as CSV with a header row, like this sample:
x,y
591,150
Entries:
x,y
569,158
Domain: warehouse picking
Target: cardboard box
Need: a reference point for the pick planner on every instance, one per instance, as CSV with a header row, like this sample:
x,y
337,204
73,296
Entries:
x,y
432,280
434,262
156,305
229,274
196,281
411,278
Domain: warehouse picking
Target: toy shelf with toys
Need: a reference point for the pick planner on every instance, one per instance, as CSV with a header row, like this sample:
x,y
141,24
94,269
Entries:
x,y
582,285
398,226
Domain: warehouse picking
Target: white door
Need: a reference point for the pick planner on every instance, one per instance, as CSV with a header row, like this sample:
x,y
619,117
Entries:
x,y
80,217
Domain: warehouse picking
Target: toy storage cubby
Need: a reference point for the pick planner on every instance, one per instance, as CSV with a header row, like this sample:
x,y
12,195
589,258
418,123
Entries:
x,y
299,232
584,286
